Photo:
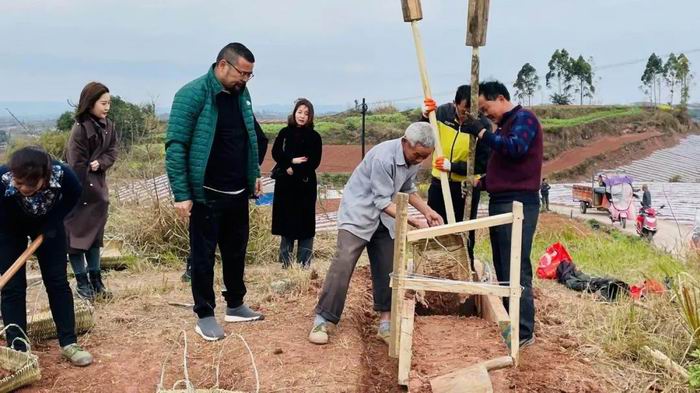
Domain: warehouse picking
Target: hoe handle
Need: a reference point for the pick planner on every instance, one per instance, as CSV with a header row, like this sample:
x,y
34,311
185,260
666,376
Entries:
x,y
19,263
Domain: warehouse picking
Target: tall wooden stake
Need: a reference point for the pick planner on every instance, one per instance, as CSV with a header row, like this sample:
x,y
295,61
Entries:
x,y
412,13
515,288
477,20
397,294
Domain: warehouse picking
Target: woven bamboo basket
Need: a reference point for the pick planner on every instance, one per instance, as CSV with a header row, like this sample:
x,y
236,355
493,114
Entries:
x,y
444,257
40,326
23,367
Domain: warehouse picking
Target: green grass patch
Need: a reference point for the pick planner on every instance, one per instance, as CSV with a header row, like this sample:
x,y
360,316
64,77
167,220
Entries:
x,y
603,252
554,123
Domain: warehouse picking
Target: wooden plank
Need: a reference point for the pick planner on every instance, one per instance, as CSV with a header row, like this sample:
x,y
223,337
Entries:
x,y
485,222
477,21
397,293
491,307
470,379
514,299
411,10
406,345
451,286
474,379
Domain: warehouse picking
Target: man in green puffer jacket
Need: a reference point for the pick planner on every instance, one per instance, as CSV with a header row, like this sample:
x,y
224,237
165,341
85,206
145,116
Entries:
x,y
213,149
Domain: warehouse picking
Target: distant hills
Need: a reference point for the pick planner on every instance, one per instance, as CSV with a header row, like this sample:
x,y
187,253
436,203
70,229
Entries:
x,y
43,110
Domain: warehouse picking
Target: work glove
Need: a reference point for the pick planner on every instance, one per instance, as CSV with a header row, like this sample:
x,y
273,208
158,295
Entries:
x,y
474,127
443,164
429,105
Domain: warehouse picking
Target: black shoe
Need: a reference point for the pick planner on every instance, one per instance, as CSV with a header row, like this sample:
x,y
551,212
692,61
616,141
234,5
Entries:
x,y
84,288
99,288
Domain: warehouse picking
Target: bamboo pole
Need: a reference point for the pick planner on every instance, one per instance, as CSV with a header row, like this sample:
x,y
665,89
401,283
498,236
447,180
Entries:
x,y
412,13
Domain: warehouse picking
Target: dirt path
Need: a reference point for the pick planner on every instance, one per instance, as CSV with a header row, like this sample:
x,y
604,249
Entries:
x,y
572,158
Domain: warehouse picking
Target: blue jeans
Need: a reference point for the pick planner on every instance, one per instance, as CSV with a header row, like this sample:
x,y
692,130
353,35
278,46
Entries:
x,y
500,247
305,250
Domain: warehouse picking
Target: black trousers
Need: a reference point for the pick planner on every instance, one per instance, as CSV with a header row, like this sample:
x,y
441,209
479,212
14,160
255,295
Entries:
x,y
437,203
222,221
545,201
500,247
52,263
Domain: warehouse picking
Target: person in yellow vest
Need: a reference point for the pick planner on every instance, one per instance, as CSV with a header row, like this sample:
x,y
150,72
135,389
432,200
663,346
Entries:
x,y
453,121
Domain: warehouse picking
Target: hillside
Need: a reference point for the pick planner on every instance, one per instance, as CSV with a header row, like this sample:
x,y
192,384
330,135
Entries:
x,y
577,138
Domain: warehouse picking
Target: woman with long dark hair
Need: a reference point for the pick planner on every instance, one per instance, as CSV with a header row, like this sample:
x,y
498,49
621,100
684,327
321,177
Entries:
x,y
297,151
36,194
92,150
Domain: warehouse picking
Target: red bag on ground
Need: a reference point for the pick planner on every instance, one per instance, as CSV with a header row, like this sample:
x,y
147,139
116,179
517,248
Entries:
x,y
646,287
553,256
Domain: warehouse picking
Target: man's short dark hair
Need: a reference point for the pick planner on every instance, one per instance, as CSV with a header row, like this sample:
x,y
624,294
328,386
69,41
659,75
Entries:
x,y
491,90
464,92
232,51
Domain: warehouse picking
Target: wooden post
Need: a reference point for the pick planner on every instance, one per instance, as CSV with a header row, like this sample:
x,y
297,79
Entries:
x,y
406,345
398,293
515,288
412,13
477,20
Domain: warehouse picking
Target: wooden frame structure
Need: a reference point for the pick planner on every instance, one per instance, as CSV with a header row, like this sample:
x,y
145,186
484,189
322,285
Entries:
x,y
405,283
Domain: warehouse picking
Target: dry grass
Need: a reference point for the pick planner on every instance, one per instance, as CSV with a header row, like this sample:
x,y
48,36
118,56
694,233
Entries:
x,y
611,335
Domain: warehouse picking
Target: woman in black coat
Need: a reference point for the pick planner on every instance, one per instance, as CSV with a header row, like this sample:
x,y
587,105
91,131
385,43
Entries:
x,y
36,194
297,151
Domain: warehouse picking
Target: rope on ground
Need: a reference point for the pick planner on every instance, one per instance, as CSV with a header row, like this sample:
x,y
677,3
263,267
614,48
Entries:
x,y
188,384
252,361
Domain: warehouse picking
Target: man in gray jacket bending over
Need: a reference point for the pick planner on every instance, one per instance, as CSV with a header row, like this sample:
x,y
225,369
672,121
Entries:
x,y
366,219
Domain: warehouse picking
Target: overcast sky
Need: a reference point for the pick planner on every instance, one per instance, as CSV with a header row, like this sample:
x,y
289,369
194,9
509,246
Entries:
x,y
330,51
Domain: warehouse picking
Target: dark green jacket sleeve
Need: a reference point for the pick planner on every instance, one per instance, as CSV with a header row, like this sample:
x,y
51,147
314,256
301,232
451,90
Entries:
x,y
183,119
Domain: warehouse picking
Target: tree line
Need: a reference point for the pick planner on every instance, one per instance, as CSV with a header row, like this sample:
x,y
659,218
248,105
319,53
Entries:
x,y
573,78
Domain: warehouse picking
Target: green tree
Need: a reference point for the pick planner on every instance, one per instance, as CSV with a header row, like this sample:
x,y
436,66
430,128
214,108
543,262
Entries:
x,y
130,120
671,75
65,121
651,78
684,77
560,72
582,74
527,83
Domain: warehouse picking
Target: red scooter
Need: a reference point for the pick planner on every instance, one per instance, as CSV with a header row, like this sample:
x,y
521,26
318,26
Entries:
x,y
646,222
